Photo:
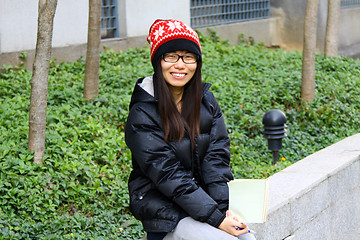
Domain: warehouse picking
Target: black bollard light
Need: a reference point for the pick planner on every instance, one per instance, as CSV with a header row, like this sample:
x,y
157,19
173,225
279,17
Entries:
x,y
274,131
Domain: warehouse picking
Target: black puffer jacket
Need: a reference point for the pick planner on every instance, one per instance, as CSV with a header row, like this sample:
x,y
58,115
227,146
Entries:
x,y
169,179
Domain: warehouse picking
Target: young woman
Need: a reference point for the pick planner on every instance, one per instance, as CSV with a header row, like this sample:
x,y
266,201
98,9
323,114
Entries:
x,y
179,144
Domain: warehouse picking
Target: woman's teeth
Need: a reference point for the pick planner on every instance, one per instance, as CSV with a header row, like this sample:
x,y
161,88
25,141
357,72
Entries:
x,y
178,74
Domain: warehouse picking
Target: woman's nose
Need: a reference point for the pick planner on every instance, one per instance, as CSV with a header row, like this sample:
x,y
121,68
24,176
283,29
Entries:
x,y
180,64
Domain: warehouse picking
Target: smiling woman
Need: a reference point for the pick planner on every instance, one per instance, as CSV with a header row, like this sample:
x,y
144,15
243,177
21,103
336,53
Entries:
x,y
179,144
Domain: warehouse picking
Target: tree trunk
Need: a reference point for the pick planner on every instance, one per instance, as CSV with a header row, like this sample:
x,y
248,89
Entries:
x,y
39,79
92,65
332,27
309,51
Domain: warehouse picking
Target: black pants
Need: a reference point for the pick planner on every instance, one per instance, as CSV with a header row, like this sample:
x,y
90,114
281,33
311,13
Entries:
x,y
155,236
161,235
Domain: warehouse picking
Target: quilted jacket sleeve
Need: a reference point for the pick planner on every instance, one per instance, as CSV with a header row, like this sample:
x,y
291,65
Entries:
x,y
217,158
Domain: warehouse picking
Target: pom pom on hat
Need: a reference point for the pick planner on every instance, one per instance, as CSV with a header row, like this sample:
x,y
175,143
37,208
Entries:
x,y
172,35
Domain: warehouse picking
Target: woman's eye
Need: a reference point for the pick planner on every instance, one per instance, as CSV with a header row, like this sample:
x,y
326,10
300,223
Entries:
x,y
189,57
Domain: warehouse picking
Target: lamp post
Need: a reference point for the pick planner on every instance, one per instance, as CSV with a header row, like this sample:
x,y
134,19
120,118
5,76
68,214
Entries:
x,y
274,131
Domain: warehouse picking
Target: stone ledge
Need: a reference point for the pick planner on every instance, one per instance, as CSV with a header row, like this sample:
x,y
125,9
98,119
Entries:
x,y
305,197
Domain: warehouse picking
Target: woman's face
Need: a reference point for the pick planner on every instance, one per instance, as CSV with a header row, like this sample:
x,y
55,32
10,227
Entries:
x,y
178,74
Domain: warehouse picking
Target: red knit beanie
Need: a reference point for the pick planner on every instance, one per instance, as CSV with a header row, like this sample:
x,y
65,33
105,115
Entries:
x,y
172,35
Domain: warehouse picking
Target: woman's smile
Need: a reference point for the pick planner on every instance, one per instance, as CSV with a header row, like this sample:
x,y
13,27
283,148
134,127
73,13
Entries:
x,y
178,75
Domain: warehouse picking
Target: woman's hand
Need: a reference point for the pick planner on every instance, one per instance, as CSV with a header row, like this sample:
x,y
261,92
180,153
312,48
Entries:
x,y
232,225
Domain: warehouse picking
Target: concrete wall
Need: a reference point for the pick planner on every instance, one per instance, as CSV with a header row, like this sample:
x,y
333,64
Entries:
x,y
349,32
263,30
137,16
291,23
18,24
317,197
17,31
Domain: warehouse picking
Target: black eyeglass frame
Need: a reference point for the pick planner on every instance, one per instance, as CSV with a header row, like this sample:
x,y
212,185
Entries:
x,y
180,56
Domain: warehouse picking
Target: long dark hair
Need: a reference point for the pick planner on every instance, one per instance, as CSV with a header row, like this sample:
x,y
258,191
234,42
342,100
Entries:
x,y
174,122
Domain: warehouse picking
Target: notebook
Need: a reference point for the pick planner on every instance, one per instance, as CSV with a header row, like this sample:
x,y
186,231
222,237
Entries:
x,y
248,199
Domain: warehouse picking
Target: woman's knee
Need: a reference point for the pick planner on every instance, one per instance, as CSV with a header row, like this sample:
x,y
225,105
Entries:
x,y
190,229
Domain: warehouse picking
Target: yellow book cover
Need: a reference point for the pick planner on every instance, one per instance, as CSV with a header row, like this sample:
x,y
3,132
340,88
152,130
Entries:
x,y
248,199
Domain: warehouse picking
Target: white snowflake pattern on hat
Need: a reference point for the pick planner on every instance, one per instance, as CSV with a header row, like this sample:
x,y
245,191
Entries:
x,y
158,33
174,25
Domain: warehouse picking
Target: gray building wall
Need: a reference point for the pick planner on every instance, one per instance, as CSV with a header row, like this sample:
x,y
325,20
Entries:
x,y
18,24
349,32
291,22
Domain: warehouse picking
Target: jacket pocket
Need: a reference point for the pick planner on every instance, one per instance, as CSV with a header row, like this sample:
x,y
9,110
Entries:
x,y
153,205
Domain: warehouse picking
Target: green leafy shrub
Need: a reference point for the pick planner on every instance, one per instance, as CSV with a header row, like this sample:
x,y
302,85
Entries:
x,y
80,192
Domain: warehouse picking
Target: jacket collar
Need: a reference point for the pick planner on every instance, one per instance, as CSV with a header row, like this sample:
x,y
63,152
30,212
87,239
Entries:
x,y
140,94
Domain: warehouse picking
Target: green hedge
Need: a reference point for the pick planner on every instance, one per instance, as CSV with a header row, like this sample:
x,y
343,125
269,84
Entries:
x,y
80,192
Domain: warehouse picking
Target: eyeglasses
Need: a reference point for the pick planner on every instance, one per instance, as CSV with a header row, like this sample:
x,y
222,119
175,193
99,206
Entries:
x,y
173,58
